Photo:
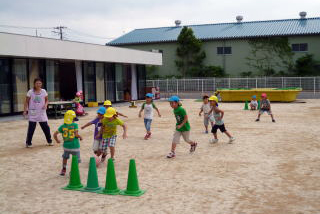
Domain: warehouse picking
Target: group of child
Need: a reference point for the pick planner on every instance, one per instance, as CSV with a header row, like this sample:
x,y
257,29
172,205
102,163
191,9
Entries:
x,y
265,106
106,122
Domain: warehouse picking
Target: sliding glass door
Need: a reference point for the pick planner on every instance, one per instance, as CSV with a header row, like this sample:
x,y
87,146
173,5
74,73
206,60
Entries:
x,y
89,77
5,86
110,85
19,83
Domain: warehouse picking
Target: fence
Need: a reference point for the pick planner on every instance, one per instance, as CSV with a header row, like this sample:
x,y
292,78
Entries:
x,y
194,88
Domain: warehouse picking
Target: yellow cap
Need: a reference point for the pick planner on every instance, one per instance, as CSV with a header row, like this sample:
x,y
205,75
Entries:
x,y
69,116
214,98
107,103
110,112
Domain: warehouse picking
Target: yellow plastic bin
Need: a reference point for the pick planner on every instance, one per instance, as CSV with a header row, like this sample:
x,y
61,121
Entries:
x,y
93,104
274,94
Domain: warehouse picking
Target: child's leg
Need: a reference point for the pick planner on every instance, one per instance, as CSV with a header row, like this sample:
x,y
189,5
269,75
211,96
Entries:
x,y
149,121
193,144
145,124
215,135
173,147
228,134
111,144
206,122
64,163
112,151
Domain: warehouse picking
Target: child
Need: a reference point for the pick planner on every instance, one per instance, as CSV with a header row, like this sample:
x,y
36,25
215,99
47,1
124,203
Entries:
x,y
254,103
148,107
205,108
108,104
69,131
265,106
219,124
182,127
97,141
109,129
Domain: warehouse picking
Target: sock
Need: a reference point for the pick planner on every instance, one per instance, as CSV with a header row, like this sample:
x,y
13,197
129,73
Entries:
x,y
64,166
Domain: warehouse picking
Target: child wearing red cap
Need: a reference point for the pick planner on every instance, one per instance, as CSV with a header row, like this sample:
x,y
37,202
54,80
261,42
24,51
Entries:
x,y
265,106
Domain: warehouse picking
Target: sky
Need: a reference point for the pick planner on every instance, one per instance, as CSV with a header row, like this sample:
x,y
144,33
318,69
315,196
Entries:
x,y
100,21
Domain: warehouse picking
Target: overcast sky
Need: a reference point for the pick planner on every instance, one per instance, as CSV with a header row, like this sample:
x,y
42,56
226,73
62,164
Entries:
x,y
111,19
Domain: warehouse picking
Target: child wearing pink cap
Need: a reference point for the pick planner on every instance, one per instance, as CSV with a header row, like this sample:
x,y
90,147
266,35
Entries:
x,y
265,106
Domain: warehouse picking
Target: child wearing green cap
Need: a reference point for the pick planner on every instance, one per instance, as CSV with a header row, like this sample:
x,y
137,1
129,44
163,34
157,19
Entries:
x,y
71,145
182,126
148,107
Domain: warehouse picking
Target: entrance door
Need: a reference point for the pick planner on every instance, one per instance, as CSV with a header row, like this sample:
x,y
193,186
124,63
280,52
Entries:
x,y
68,80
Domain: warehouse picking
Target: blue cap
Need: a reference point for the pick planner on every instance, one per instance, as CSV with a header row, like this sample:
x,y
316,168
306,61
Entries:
x,y
254,97
101,110
174,99
149,95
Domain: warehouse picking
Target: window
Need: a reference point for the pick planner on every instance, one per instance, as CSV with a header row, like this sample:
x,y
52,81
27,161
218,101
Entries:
x,y
20,83
5,98
224,50
302,47
89,77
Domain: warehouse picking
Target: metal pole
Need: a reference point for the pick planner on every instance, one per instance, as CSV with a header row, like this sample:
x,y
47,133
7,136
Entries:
x,y
282,82
177,86
247,82
265,82
256,82
167,85
198,85
314,85
229,83
202,86
300,82
214,84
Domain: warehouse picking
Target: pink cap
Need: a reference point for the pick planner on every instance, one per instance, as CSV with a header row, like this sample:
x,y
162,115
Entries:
x,y
263,95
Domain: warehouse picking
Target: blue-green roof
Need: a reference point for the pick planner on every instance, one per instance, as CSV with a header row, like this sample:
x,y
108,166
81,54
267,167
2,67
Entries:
x,y
286,27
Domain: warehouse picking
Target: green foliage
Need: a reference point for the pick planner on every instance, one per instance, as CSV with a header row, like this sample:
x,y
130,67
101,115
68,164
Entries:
x,y
269,53
306,66
189,53
211,71
246,74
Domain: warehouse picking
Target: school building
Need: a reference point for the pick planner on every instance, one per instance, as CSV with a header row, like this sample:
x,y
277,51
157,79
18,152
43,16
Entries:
x,y
101,72
226,44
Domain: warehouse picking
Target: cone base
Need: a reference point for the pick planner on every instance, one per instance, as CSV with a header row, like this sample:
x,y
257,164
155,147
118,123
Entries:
x,y
109,192
78,187
86,189
132,193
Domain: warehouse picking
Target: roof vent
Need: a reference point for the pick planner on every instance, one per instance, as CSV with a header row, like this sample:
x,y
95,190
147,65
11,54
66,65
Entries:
x,y
303,14
239,19
178,23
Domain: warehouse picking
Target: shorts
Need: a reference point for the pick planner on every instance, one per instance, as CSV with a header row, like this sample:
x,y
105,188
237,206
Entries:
x,y
216,127
206,119
147,124
111,142
67,153
265,110
177,135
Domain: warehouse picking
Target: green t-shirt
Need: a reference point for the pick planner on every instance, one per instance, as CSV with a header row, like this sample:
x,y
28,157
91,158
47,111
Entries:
x,y
110,127
68,134
179,113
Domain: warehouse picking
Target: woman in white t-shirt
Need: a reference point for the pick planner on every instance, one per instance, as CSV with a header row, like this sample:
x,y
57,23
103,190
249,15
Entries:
x,y
148,107
35,108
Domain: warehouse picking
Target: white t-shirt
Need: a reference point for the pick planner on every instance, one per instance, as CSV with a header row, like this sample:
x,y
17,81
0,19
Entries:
x,y
206,108
148,110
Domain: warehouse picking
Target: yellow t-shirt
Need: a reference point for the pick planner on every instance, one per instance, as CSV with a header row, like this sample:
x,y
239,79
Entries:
x,y
110,127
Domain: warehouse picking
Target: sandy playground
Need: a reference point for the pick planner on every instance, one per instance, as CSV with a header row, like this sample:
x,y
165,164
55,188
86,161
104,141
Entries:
x,y
271,168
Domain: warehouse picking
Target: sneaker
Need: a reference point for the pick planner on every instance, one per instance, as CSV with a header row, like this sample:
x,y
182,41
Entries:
x,y
231,139
63,172
28,145
273,121
193,147
257,120
214,141
171,155
146,137
97,161
206,132
149,135
103,158
50,143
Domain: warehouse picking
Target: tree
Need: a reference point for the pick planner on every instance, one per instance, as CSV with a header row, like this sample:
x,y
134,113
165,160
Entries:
x,y
306,66
269,53
189,52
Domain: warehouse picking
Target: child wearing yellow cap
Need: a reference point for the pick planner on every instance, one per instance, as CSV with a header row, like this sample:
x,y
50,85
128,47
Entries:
x,y
108,104
219,124
71,145
109,130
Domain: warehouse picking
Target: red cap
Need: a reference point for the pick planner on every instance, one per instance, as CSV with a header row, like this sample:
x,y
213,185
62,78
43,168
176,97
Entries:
x,y
263,95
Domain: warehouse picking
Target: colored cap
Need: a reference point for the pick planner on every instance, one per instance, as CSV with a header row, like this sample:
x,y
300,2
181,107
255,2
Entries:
x,y
107,103
254,97
174,99
101,110
214,98
69,117
110,112
263,95
149,95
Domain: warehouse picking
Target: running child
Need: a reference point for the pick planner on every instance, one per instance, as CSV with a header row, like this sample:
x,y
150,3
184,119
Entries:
x,y
97,146
71,145
219,124
108,104
254,103
205,108
265,106
109,129
148,107
182,127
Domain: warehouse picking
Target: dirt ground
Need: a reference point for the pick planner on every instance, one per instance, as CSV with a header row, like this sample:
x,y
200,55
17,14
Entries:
x,y
271,168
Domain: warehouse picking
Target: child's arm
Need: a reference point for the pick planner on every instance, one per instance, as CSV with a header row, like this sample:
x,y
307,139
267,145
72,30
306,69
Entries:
x,y
158,111
77,135
183,122
118,113
86,125
210,110
55,136
124,131
201,110
100,132
222,113
140,112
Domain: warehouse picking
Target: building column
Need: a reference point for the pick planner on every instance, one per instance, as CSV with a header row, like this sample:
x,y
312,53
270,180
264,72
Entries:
x,y
134,88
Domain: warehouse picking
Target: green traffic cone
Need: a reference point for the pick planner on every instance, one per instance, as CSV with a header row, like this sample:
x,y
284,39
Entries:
x,y
74,181
132,183
258,104
111,187
246,105
92,181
